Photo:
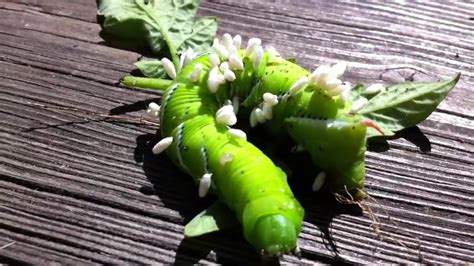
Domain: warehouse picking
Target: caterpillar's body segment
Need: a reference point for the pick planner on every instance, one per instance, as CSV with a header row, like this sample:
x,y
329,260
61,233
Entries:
x,y
309,108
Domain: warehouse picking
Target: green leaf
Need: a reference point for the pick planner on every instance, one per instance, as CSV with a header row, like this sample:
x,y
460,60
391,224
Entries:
x,y
163,23
356,91
123,18
203,33
169,17
405,105
151,68
217,217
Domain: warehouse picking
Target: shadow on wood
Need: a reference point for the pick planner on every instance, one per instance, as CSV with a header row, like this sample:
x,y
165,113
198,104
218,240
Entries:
x,y
136,106
412,134
320,208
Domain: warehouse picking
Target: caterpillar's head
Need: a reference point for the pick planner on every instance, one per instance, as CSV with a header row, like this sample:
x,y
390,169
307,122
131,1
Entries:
x,y
275,235
347,175
272,224
338,147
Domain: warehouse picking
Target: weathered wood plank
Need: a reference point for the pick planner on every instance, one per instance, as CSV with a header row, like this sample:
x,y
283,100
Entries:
x,y
79,188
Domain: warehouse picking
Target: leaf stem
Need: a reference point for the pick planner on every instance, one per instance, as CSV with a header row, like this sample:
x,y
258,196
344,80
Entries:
x,y
150,83
158,26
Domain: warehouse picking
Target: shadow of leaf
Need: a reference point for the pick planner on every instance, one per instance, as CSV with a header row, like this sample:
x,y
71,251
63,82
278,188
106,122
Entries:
x,y
412,134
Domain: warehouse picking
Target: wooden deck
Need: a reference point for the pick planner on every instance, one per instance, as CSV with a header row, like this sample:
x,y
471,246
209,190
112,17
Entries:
x,y
78,186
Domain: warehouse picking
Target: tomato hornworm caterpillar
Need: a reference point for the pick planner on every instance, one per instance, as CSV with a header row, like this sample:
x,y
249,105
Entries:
x,y
201,104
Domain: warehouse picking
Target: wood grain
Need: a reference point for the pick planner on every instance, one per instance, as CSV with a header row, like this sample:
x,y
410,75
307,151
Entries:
x,y
78,186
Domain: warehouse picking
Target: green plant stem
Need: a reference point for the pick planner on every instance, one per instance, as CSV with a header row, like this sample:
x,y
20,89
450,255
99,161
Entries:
x,y
171,47
150,83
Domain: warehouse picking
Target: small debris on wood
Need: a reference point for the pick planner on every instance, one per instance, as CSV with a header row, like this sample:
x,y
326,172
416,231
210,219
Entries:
x,y
7,245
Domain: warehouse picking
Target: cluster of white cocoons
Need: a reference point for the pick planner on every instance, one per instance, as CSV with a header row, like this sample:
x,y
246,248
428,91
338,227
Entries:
x,y
265,110
327,78
225,59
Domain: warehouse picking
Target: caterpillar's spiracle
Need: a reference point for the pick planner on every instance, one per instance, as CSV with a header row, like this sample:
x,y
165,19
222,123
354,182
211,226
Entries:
x,y
200,107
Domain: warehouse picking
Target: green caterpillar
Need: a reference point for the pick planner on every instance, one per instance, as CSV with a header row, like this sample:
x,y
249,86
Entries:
x,y
200,106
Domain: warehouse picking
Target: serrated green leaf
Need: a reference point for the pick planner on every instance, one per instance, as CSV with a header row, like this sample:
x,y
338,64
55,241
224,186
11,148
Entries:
x,y
170,17
123,18
203,32
405,105
151,68
217,217
356,91
163,23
